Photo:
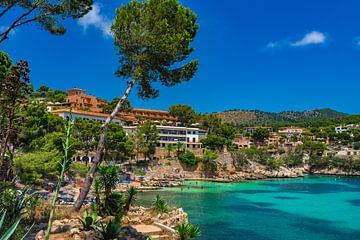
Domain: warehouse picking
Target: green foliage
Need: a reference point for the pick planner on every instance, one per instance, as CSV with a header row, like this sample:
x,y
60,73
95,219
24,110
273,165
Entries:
x,y
188,158
78,169
150,54
111,229
118,146
50,142
242,157
37,167
38,122
160,205
114,204
64,167
147,139
89,220
9,230
185,114
313,148
170,148
130,198
86,132
138,171
261,134
318,162
357,146
346,164
215,142
16,203
49,95
108,108
180,148
187,231
209,122
47,14
256,117
14,89
273,163
293,160
109,177
208,160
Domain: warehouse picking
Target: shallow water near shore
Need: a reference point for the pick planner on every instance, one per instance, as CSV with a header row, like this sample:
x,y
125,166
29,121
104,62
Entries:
x,y
313,207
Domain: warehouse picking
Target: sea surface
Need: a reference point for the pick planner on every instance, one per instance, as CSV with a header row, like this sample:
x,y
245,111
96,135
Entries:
x,y
312,208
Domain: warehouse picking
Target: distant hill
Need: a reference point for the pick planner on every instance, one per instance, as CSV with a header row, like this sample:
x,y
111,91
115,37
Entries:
x,y
257,117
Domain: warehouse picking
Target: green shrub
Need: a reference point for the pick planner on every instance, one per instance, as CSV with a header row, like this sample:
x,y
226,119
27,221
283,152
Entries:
x,y
36,167
187,231
273,163
114,204
242,157
89,220
188,158
138,171
160,205
293,160
109,177
110,230
130,198
78,169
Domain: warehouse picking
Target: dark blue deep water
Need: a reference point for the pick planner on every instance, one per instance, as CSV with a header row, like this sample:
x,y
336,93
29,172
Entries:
x,y
315,207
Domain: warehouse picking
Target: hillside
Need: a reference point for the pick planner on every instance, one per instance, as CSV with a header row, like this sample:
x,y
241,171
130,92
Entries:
x,y
256,117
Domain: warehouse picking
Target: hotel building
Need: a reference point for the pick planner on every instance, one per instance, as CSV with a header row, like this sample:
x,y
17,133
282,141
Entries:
x,y
90,107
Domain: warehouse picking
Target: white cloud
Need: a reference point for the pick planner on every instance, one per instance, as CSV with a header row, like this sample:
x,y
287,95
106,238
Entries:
x,y
357,42
313,37
272,45
96,19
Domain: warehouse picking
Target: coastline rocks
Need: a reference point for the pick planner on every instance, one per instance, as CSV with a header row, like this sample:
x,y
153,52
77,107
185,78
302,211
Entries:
x,y
336,171
143,215
137,216
161,183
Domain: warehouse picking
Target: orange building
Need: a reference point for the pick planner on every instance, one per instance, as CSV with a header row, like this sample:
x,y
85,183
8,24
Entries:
x,y
79,100
151,115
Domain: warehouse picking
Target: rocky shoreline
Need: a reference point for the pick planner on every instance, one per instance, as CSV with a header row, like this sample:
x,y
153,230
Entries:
x,y
242,176
140,223
336,172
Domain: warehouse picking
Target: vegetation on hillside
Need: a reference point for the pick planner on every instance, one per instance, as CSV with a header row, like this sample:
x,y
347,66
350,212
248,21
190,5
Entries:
x,y
257,117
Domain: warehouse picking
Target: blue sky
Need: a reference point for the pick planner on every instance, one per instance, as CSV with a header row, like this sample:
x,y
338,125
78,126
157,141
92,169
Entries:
x,y
271,55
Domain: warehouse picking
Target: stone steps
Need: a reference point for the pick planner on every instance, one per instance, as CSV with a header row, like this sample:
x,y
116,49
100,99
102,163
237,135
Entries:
x,y
148,230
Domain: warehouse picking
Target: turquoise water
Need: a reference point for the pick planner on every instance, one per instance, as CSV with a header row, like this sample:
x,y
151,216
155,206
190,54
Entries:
x,y
315,207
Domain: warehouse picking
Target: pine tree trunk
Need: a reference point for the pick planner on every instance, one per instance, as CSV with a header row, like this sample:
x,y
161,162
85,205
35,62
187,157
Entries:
x,y
100,149
6,141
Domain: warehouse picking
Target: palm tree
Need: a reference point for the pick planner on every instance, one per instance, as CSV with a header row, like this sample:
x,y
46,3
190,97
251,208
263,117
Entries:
x,y
187,231
180,147
170,147
130,198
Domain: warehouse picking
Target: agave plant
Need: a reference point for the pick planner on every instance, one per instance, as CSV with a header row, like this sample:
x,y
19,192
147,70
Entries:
x,y
15,203
187,231
130,198
89,220
160,205
10,230
110,230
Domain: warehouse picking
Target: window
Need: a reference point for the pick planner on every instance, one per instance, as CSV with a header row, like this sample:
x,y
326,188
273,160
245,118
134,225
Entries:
x,y
194,139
